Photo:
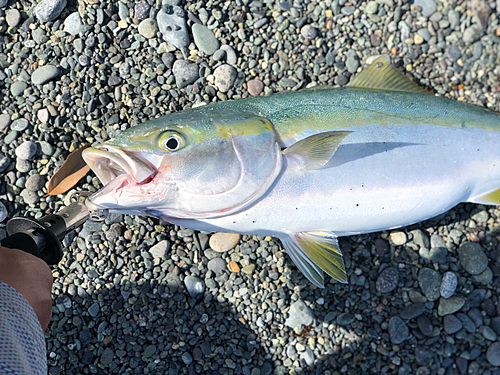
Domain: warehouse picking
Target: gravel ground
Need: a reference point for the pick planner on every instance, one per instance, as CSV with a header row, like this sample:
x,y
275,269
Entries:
x,y
137,295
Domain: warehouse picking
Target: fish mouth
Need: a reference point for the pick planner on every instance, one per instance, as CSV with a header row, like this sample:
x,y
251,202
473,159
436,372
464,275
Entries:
x,y
117,168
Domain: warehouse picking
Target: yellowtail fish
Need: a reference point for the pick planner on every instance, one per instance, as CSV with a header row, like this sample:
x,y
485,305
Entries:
x,y
306,167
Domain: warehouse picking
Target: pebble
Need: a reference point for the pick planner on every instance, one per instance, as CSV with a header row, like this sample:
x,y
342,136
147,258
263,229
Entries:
x,y
160,250
472,33
398,238
172,25
73,24
413,311
49,10
107,357
308,356
352,61
93,310
224,75
345,319
231,57
44,74
43,115
141,10
217,265
148,28
26,150
255,87
425,325
430,283
371,7
35,182
19,124
451,324
17,88
185,73
420,238
308,32
448,284
398,330
299,314
194,285
428,7
233,266
222,242
472,258
3,212
4,121
205,39
450,305
493,354
387,280
12,17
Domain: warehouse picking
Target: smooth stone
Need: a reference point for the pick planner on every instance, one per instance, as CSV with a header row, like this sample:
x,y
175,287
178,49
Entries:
x,y
19,124
428,7
222,242
3,3
398,330
231,57
484,277
299,314
345,319
413,311
387,280
398,238
172,25
225,75
371,7
4,121
493,354
185,73
12,17
43,115
430,283
26,150
448,284
467,322
186,358
420,238
452,324
308,32
23,166
3,212
73,24
93,310
205,39
307,356
47,148
141,10
49,10
489,333
194,285
107,357
255,87
450,305
160,249
35,182
425,325
217,265
352,61
17,88
472,33
472,258
44,74
148,28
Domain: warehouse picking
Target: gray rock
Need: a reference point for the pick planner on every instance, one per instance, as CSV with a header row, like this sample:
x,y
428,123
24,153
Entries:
x,y
172,25
89,228
448,284
185,73
493,354
472,258
148,28
187,358
452,324
255,87
231,57
194,285
387,280
371,7
12,17
26,150
123,11
4,121
420,238
430,283
73,24
484,277
488,333
115,231
413,311
425,325
3,212
47,148
299,313
3,3
160,249
308,356
19,124
308,32
225,75
93,310
205,39
35,182
454,19
107,357
467,322
23,166
477,50
352,61
49,10
39,36
141,10
345,319
450,305
43,115
217,265
4,163
150,351
472,33
44,74
453,53
398,330
428,7
17,88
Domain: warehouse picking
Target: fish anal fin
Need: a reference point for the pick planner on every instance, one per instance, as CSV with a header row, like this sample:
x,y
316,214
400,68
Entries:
x,y
316,250
318,149
382,76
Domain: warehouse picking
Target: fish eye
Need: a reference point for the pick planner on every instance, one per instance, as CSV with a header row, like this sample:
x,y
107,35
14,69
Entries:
x,y
172,141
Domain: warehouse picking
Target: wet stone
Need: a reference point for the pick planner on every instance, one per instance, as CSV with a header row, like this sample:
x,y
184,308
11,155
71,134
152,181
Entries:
x,y
388,280
452,324
430,283
472,258
425,325
398,330
413,311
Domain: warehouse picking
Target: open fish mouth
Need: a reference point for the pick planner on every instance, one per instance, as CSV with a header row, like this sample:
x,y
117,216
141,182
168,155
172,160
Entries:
x,y
117,168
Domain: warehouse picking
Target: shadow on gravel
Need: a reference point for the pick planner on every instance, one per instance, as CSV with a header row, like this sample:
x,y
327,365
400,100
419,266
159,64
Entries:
x,y
151,325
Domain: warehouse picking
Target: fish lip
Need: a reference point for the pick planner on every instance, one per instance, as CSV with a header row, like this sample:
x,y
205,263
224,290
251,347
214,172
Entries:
x,y
109,162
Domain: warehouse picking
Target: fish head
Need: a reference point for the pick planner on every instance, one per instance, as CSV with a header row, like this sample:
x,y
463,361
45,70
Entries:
x,y
199,165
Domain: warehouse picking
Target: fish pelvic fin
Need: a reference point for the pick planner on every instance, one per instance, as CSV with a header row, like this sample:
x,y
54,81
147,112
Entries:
x,y
382,76
315,252
316,150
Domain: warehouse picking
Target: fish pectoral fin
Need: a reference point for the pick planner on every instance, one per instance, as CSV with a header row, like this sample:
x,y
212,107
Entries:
x,y
315,252
382,76
318,149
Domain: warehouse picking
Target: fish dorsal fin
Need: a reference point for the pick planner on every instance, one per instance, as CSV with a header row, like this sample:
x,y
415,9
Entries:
x,y
315,252
382,76
318,149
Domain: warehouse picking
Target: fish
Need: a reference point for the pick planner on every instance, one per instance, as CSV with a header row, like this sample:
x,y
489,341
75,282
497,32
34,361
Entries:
x,y
306,167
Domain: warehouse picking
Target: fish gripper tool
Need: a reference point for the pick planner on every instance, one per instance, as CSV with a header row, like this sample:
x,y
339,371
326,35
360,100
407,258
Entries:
x,y
43,237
